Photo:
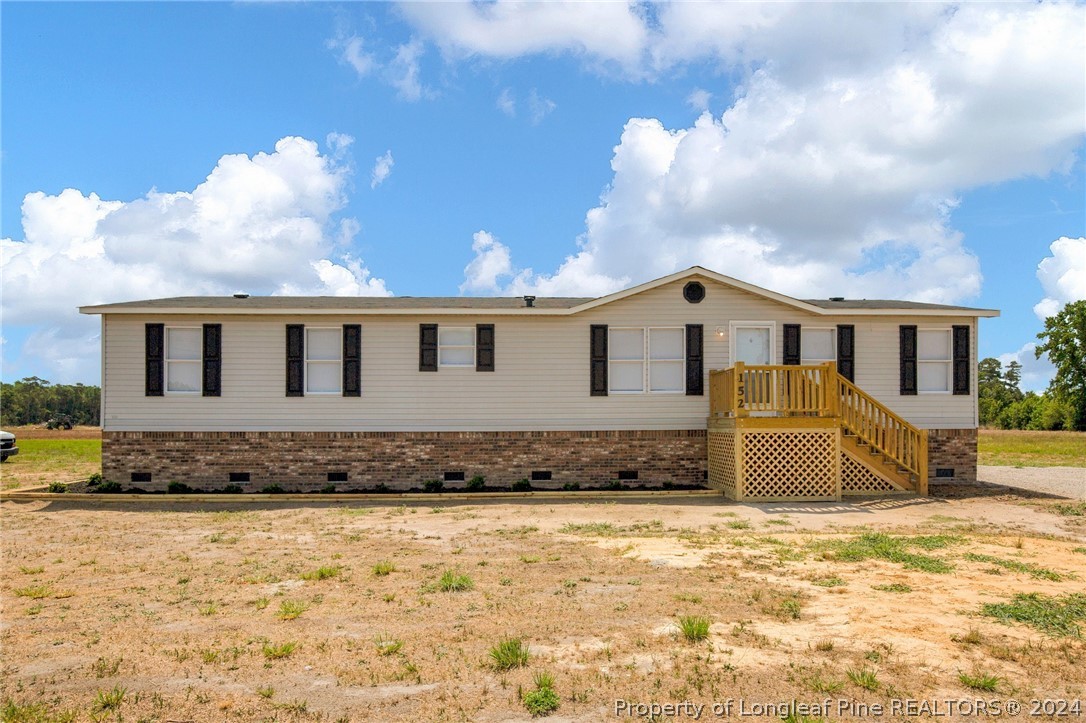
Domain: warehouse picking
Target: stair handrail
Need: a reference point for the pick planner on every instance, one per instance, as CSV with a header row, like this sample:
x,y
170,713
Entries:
x,y
877,426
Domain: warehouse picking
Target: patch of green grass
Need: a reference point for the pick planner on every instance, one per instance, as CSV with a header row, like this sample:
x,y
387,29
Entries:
x,y
1079,550
1039,573
688,597
694,628
266,692
106,667
34,592
109,699
387,646
322,573
829,582
291,609
277,652
452,581
790,609
590,529
865,678
880,546
1058,616
383,568
543,700
893,587
979,681
12,712
821,685
31,570
1010,448
41,461
508,654
1070,509
738,525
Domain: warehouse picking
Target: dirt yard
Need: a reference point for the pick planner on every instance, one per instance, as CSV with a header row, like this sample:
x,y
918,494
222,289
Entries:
x,y
170,612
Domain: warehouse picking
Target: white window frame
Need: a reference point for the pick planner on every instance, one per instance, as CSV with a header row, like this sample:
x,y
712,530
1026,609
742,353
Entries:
x,y
770,325
199,362
306,361
949,361
645,361
440,346
803,358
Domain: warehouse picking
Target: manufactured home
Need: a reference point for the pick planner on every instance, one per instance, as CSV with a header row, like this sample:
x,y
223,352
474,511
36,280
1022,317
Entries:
x,y
692,379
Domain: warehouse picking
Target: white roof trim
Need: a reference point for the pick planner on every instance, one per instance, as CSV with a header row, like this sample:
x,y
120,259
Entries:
x,y
699,271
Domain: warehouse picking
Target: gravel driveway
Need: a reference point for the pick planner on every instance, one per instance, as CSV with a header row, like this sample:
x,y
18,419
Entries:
x,y
1060,481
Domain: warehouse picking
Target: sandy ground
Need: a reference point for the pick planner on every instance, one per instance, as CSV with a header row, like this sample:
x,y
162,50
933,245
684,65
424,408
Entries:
x,y
179,605
1059,481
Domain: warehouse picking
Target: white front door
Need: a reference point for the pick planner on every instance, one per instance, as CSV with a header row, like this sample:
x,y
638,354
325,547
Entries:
x,y
752,342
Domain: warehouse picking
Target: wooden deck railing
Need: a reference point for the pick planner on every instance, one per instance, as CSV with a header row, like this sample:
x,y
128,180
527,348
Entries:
x,y
797,390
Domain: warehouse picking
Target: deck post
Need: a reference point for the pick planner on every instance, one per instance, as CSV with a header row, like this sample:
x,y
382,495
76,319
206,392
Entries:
x,y
922,483
831,391
740,391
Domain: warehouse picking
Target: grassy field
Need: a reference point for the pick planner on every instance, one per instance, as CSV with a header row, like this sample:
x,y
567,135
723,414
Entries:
x,y
491,612
43,459
1019,448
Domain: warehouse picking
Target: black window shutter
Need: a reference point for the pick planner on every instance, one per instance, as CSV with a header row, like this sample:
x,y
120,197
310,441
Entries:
x,y
791,344
295,360
908,359
961,360
352,360
212,360
427,347
846,351
484,347
154,347
598,360
695,383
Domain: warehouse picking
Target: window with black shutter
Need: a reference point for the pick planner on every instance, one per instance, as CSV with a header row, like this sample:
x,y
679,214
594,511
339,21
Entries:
x,y
961,359
427,347
695,376
212,360
295,360
598,360
352,360
154,353
484,347
907,348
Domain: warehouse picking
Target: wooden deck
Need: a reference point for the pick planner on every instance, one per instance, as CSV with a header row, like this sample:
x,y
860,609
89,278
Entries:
x,y
801,433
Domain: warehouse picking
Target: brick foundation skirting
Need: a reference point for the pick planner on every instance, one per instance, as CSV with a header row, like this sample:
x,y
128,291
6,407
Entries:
x,y
302,461
955,450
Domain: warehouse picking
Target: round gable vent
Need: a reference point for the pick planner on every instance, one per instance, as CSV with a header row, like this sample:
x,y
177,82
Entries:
x,y
694,292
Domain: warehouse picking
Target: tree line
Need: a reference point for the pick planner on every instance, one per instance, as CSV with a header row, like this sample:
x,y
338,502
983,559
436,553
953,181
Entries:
x,y
34,401
1063,405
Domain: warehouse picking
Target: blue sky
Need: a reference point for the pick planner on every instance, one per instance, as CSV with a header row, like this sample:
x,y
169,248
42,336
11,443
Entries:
x,y
929,151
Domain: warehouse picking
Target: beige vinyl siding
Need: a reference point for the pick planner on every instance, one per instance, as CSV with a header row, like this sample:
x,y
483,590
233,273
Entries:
x,y
541,381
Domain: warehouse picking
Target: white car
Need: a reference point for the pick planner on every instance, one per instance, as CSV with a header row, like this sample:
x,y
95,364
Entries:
x,y
7,445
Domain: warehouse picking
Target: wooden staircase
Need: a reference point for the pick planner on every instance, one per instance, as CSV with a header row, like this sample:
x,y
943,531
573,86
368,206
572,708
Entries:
x,y
872,435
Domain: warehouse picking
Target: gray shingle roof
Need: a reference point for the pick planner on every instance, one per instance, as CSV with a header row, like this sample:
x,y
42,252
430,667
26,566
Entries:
x,y
884,304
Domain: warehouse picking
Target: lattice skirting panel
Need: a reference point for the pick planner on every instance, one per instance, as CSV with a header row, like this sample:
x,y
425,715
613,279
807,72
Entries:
x,y
856,479
790,465
722,461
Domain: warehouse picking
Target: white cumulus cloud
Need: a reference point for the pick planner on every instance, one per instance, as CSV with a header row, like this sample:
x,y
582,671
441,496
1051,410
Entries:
x,y
840,181
1062,276
1036,373
382,167
507,102
263,224
539,107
